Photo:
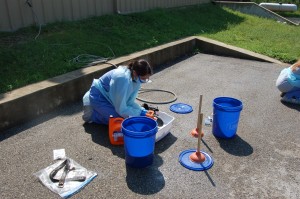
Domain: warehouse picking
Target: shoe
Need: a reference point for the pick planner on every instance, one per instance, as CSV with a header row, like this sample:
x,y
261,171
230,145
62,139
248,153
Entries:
x,y
292,97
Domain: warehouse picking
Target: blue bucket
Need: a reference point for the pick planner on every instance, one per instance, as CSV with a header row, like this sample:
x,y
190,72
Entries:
x,y
226,114
139,141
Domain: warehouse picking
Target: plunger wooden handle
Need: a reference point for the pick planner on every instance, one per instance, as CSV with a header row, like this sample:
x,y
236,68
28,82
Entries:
x,y
199,112
199,130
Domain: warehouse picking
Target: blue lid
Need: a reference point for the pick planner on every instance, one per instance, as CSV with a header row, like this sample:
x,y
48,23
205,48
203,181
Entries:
x,y
184,159
181,108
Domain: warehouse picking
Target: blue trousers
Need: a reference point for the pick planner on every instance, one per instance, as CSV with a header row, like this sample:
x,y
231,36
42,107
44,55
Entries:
x,y
102,108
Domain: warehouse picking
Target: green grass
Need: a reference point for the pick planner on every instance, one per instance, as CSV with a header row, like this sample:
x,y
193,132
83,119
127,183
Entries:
x,y
25,60
263,36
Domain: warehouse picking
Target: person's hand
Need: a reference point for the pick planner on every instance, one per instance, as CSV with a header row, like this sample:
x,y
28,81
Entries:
x,y
150,114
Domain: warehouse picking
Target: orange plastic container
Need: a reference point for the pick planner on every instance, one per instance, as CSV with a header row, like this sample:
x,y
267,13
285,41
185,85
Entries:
x,y
115,133
115,128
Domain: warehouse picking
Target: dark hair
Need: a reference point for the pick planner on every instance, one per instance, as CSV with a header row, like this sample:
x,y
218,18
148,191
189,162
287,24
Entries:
x,y
141,67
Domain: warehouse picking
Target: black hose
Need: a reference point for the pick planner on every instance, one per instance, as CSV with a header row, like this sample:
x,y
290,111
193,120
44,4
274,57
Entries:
x,y
142,90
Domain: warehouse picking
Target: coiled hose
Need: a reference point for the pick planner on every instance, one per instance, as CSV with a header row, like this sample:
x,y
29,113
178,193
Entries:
x,y
143,90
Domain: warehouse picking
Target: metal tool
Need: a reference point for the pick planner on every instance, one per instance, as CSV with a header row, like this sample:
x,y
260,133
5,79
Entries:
x,y
67,168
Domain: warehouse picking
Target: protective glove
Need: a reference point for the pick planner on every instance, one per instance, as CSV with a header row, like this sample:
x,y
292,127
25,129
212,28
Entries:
x,y
151,114
148,113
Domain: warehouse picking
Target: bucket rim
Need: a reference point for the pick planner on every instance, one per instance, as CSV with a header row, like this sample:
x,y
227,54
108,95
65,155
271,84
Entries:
x,y
137,134
217,100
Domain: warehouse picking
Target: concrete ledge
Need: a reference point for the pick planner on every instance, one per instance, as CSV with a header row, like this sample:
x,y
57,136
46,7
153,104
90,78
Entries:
x,y
29,102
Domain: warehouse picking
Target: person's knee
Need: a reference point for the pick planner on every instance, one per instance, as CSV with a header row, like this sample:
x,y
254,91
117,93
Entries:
x,y
87,113
284,86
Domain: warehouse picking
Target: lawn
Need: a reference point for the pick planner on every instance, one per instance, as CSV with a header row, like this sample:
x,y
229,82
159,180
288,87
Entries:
x,y
27,57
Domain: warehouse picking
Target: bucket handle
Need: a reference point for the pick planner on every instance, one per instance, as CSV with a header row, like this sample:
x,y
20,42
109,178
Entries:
x,y
116,119
119,120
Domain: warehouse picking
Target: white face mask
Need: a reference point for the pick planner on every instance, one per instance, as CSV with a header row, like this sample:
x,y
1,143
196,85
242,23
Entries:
x,y
142,80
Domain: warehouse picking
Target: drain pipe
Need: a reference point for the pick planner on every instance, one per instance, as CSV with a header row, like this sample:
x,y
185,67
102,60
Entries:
x,y
116,8
118,11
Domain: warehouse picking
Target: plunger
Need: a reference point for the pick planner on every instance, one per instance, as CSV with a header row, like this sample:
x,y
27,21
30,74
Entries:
x,y
196,160
198,156
195,132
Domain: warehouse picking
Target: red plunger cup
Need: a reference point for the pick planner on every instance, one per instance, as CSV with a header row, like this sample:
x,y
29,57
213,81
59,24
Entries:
x,y
198,156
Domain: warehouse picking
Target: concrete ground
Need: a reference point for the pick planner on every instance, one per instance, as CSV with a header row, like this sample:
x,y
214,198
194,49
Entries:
x,y
262,161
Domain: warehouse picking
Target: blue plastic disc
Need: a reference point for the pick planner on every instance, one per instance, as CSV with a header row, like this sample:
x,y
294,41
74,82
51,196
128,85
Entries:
x,y
184,159
181,108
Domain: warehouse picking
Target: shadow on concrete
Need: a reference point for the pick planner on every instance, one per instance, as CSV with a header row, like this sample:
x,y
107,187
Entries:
x,y
209,178
99,134
164,143
144,181
171,63
148,180
63,110
292,106
236,146
202,140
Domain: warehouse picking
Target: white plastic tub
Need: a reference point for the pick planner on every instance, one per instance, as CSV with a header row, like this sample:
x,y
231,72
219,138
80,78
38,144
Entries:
x,y
165,129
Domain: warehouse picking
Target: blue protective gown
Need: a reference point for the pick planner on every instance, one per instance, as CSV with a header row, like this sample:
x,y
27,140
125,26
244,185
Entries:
x,y
113,94
288,81
294,77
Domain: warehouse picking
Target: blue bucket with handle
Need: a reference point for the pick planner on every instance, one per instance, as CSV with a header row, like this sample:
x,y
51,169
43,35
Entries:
x,y
226,114
139,141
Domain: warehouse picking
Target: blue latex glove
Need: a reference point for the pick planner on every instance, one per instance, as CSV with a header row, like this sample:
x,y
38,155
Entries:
x,y
143,113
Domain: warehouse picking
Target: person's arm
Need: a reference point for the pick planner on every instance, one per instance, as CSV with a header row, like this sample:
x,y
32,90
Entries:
x,y
120,94
132,99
